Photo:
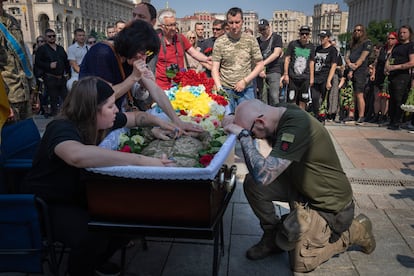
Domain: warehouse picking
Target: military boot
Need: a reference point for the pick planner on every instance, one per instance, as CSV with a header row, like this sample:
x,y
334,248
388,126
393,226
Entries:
x,y
361,234
266,247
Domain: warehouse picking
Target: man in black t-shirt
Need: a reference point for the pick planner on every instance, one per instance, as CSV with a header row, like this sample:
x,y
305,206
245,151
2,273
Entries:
x,y
299,68
270,45
325,66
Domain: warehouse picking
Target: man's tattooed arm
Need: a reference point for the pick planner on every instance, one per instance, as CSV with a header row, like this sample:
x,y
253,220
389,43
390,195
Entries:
x,y
263,170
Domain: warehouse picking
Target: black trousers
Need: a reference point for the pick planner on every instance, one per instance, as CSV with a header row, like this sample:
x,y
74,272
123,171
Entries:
x,y
56,89
399,87
88,250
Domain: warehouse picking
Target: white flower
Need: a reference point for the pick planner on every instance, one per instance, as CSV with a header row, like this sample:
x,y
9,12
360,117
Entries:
x,y
138,139
123,137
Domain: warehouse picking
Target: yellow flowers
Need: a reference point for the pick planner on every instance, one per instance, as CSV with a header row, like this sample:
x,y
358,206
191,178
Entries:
x,y
194,105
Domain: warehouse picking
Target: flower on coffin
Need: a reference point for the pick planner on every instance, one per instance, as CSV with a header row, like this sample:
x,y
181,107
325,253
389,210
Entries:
x,y
132,141
194,95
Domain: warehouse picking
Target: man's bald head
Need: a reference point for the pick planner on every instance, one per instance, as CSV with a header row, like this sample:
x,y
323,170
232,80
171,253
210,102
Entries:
x,y
248,111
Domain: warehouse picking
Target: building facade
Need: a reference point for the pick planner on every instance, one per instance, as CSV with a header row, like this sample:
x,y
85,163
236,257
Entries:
x,y
286,23
328,17
64,16
399,12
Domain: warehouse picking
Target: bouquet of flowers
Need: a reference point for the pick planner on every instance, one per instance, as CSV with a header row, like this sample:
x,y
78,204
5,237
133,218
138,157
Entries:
x,y
347,97
323,109
195,101
409,103
384,93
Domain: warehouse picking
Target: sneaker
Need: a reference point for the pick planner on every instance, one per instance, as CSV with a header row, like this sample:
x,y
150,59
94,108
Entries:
x,y
393,127
266,247
408,127
349,121
361,234
360,121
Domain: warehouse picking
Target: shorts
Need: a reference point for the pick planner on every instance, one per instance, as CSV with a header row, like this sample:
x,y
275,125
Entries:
x,y
359,80
298,91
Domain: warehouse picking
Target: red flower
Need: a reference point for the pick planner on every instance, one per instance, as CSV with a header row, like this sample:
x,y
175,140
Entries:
x,y
126,148
193,78
206,159
208,51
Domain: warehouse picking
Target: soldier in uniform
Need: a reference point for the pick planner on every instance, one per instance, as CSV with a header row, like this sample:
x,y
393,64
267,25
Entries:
x,y
15,67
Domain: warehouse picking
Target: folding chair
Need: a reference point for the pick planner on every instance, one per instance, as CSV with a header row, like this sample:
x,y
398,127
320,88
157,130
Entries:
x,y
25,235
19,142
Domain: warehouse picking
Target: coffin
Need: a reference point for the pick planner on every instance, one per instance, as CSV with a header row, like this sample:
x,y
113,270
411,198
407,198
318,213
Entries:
x,y
182,197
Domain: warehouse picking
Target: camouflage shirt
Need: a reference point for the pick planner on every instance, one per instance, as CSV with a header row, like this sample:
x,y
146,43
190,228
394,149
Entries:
x,y
17,84
236,57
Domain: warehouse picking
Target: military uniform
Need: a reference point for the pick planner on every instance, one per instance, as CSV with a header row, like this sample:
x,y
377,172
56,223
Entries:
x,y
18,85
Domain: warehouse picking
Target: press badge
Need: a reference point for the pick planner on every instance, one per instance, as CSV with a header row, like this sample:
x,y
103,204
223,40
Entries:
x,y
287,139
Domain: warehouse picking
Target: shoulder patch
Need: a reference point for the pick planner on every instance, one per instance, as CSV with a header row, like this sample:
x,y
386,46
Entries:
x,y
288,137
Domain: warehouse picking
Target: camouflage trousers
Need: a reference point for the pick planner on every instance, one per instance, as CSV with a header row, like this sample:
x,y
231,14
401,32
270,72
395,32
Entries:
x,y
21,110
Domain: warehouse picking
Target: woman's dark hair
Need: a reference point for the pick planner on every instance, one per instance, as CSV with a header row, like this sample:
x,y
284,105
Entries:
x,y
137,36
81,107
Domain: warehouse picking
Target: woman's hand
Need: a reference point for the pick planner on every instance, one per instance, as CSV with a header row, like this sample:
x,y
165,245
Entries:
x,y
167,162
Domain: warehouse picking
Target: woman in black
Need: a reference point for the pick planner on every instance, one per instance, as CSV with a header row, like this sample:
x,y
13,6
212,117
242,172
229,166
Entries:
x,y
398,67
70,144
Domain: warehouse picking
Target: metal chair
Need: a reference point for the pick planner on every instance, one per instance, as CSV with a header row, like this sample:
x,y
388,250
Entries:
x,y
25,235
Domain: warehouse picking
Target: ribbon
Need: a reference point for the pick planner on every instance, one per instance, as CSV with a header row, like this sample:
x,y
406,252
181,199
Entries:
x,y
15,45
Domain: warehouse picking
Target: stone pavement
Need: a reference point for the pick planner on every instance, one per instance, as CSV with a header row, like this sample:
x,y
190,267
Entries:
x,y
380,165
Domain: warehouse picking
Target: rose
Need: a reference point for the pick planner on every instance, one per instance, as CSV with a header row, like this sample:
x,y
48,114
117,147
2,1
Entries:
x,y
206,159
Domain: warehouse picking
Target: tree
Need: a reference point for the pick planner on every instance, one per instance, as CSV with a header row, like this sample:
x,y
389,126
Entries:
x,y
377,31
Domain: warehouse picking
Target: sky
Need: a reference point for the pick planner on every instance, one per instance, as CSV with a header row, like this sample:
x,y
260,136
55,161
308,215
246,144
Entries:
x,y
264,8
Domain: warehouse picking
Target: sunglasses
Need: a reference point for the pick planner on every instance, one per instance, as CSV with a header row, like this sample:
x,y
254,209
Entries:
x,y
304,34
254,123
50,36
216,29
192,37
92,42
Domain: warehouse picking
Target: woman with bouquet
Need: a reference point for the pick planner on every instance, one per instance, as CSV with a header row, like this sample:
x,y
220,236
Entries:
x,y
380,80
70,144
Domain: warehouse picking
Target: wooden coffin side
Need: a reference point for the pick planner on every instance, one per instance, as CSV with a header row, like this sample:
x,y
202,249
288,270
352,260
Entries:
x,y
192,203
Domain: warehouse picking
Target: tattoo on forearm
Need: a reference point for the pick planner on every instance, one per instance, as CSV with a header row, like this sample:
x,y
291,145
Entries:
x,y
263,170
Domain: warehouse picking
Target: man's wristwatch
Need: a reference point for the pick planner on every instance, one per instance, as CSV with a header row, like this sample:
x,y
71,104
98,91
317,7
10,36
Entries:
x,y
243,133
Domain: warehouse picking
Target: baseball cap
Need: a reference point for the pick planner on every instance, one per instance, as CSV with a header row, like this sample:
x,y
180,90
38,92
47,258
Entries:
x,y
304,29
263,23
324,33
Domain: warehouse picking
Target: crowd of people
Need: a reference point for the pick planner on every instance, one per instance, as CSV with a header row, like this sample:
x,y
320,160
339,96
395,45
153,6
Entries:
x,y
275,95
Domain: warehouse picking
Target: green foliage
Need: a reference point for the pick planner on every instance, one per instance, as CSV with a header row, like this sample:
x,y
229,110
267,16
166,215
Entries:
x,y
377,31
98,35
